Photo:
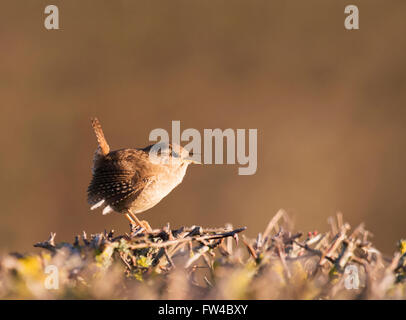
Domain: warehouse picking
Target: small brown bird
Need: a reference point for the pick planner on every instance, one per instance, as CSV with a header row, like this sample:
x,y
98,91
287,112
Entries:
x,y
131,181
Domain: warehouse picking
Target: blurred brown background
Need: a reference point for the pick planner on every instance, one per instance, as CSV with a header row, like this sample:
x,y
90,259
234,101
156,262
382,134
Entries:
x,y
329,106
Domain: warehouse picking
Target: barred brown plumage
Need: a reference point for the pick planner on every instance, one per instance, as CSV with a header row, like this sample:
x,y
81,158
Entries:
x,y
128,181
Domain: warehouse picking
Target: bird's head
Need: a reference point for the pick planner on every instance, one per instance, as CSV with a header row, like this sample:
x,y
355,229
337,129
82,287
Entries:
x,y
170,154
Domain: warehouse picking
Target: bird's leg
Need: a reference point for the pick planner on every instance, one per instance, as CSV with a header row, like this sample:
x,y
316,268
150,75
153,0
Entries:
x,y
133,224
144,224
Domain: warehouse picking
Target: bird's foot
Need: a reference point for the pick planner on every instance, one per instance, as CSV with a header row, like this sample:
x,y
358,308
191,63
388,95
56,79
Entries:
x,y
136,227
146,226
135,222
133,228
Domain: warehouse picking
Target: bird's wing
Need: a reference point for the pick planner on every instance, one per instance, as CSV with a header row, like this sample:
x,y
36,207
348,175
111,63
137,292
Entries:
x,y
112,185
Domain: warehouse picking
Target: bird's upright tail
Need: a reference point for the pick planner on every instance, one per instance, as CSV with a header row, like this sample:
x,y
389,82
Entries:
x,y
104,147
